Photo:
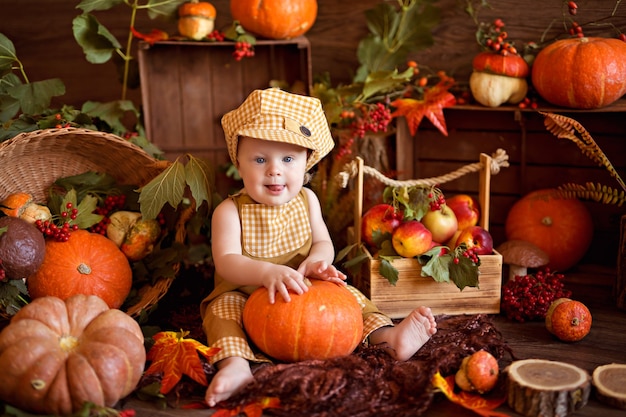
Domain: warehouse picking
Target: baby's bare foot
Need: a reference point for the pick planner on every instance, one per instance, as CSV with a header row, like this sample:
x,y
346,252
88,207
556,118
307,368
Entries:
x,y
233,374
408,336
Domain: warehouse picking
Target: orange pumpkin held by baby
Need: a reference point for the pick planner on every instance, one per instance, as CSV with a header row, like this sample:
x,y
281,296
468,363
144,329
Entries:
x,y
88,263
275,19
324,322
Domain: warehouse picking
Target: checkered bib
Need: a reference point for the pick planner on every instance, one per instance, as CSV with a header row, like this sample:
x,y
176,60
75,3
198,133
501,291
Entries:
x,y
274,231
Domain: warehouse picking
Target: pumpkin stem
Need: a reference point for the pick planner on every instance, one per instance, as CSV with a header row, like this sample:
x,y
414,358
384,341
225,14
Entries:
x,y
68,343
546,221
84,269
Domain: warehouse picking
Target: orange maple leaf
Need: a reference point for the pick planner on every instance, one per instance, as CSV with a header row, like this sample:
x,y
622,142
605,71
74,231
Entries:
x,y
155,35
477,403
173,355
252,409
435,100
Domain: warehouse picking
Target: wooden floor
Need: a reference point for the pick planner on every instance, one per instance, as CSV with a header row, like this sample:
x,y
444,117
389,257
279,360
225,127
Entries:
x,y
606,343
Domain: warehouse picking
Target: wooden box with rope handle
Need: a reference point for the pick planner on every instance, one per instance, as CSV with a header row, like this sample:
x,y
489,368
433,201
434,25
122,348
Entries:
x,y
412,289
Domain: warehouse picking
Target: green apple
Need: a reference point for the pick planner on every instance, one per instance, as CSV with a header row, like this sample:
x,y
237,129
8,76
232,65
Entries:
x,y
442,223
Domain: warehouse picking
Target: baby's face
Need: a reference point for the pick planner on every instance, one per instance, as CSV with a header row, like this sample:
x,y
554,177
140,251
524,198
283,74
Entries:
x,y
272,172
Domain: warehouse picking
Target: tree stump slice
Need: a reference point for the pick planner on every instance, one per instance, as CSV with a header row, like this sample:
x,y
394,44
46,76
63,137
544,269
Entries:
x,y
610,383
543,388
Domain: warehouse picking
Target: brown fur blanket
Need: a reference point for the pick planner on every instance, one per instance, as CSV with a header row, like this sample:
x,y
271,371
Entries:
x,y
368,382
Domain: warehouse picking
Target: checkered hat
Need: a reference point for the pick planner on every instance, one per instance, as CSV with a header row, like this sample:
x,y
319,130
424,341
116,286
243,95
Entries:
x,y
276,115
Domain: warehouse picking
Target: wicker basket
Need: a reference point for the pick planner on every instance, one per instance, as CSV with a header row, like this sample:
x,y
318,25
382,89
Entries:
x,y
31,162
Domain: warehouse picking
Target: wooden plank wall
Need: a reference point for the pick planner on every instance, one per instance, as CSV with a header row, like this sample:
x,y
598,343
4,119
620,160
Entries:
x,y
41,32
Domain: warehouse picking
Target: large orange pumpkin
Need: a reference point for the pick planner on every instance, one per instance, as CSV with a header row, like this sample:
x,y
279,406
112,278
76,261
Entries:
x,y
88,263
561,227
325,322
581,73
275,19
57,355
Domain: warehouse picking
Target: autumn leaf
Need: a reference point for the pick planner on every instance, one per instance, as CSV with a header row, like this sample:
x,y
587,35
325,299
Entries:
x,y
252,409
474,402
155,35
435,100
173,355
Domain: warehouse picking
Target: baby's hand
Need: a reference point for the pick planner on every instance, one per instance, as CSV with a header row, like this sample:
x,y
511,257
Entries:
x,y
323,271
280,279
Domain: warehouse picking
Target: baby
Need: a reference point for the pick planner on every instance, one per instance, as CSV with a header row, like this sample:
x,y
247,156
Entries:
x,y
272,234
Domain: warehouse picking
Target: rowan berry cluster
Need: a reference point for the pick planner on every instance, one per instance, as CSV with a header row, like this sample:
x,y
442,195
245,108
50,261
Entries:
x,y
243,50
216,36
61,122
527,298
375,118
493,37
365,118
436,199
62,232
110,204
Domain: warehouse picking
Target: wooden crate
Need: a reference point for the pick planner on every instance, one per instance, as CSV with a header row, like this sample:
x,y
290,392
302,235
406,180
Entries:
x,y
413,290
188,86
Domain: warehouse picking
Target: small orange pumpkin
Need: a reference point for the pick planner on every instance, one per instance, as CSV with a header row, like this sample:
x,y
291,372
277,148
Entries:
x,y
561,227
196,19
568,320
324,322
275,19
478,372
581,73
88,263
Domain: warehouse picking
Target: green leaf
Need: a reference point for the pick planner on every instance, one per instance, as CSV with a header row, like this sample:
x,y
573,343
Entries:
x,y
12,295
167,187
9,107
97,42
166,9
388,271
385,81
35,97
435,266
346,251
465,273
112,113
198,178
86,217
92,5
7,54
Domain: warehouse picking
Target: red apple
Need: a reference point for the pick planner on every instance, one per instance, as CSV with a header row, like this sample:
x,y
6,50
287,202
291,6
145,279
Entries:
x,y
382,218
442,223
466,208
478,238
411,239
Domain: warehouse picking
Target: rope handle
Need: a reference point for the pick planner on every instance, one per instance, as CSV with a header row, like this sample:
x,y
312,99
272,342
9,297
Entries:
x,y
487,166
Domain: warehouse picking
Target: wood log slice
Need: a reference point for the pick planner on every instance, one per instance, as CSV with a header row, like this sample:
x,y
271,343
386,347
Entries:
x,y
543,388
610,383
